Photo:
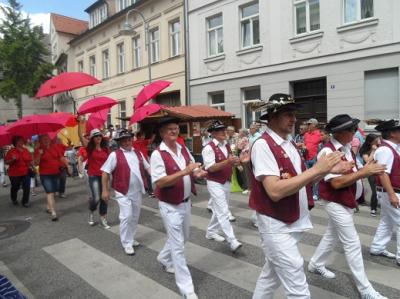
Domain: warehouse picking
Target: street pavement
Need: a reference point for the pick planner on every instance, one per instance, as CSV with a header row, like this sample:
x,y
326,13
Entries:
x,y
70,259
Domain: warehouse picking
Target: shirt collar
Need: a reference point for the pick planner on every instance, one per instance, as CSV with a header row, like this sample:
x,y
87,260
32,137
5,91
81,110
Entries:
x,y
392,144
278,139
217,143
126,151
339,146
164,147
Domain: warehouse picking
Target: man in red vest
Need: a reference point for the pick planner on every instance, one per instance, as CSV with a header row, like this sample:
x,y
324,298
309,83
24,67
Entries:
x,y
339,194
281,195
173,170
127,168
218,161
388,189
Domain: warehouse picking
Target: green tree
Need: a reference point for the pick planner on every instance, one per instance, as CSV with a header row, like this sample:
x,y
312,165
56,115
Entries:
x,y
23,55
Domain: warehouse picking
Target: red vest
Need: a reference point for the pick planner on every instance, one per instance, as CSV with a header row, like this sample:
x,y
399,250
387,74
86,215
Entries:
x,y
345,196
173,194
223,175
395,172
287,209
121,175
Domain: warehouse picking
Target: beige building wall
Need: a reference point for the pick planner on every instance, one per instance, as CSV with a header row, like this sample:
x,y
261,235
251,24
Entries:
x,y
125,86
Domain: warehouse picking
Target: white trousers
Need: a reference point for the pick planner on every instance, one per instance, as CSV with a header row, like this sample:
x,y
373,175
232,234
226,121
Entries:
x,y
176,220
2,172
283,264
220,206
341,227
129,212
390,220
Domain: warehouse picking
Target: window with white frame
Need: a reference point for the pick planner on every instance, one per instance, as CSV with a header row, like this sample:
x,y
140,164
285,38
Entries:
x,y
121,58
155,45
250,95
106,64
356,10
307,15
80,66
92,65
103,12
174,37
122,113
136,52
122,4
215,37
250,25
217,100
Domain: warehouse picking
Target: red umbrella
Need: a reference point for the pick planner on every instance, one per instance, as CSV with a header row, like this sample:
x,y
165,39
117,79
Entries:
x,y
96,104
66,119
5,137
96,120
144,111
34,125
65,82
150,91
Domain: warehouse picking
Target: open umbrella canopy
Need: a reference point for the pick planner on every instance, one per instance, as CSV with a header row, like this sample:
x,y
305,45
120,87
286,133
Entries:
x,y
144,111
96,120
96,104
34,125
150,91
65,82
5,137
66,119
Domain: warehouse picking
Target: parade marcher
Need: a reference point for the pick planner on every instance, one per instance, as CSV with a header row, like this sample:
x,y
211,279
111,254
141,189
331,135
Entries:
x,y
388,189
64,170
339,193
281,195
97,152
20,165
173,170
218,162
127,167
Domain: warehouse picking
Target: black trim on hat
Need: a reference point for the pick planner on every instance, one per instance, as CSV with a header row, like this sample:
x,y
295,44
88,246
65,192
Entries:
x,y
341,122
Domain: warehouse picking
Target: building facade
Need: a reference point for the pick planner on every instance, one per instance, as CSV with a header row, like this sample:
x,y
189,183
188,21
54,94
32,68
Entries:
x,y
334,57
120,61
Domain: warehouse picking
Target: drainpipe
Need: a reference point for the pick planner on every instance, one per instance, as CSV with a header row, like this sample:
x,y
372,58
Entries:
x,y
187,56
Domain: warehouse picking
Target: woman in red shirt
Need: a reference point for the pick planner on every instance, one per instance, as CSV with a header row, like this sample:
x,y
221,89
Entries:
x,y
97,153
50,160
19,160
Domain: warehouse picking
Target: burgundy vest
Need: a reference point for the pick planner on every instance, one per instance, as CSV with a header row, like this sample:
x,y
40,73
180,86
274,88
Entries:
x,y
122,173
173,194
223,175
395,172
287,209
345,196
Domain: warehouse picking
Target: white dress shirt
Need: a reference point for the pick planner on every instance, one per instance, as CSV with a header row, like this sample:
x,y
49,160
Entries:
x,y
158,167
264,164
209,155
384,155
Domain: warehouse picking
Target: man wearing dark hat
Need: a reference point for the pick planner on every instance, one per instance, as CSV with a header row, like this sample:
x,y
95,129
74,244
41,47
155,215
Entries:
x,y
281,195
388,189
173,170
339,193
218,161
127,167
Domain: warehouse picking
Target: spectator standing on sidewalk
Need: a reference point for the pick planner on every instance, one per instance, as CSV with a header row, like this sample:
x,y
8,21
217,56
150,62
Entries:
x,y
299,140
253,133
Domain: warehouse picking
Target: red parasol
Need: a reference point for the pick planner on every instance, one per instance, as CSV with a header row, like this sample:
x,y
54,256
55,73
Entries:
x,y
144,111
5,137
96,120
96,104
66,119
34,125
150,91
65,82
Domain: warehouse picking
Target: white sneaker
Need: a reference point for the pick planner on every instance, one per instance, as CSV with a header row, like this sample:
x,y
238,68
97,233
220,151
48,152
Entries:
x,y
135,243
215,237
255,224
231,217
129,250
372,294
168,269
190,296
103,223
62,195
321,271
384,253
235,245
245,192
91,219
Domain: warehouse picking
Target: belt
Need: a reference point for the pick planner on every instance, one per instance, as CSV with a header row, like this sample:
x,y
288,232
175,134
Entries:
x,y
381,189
186,199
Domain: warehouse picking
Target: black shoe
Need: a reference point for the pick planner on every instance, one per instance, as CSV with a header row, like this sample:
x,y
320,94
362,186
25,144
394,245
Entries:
x,y
15,203
26,205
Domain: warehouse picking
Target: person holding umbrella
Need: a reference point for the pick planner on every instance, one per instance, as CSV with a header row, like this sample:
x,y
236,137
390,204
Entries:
x,y
20,164
50,161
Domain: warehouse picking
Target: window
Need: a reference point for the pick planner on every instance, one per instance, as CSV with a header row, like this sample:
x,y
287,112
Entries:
x,y
250,25
103,12
92,65
122,113
106,64
80,66
382,94
215,38
121,58
155,45
136,52
174,37
217,100
109,118
356,10
250,95
307,16
122,4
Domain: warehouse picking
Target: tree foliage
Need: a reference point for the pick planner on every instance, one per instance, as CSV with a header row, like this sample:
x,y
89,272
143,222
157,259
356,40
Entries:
x,y
23,55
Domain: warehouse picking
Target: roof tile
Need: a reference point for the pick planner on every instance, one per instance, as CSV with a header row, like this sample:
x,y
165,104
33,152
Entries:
x,y
68,25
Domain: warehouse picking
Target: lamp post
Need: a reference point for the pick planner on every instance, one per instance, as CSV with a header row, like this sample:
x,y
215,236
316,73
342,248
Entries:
x,y
127,29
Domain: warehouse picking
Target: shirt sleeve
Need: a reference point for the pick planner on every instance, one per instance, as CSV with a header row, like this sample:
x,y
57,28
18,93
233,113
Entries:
x,y
157,167
208,157
145,163
383,155
110,164
190,156
263,160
